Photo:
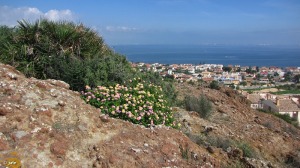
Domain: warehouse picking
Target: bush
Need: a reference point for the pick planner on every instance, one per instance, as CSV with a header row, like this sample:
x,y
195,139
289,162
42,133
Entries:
x,y
248,151
167,85
63,51
214,85
220,142
287,118
184,152
199,139
139,103
201,105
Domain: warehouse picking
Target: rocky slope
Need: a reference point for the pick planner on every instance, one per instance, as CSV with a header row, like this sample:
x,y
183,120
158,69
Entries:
x,y
271,141
44,124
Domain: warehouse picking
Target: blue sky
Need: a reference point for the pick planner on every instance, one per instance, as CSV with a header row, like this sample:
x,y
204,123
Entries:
x,y
275,22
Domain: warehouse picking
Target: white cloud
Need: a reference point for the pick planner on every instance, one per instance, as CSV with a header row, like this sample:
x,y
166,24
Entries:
x,y
9,16
120,29
59,15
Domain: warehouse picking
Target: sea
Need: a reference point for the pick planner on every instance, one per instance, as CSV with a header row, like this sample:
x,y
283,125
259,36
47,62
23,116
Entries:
x,y
243,55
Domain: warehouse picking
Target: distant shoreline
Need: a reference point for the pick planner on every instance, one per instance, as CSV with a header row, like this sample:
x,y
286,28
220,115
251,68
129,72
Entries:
x,y
244,55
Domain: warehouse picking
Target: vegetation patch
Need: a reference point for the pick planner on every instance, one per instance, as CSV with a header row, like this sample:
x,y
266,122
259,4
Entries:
x,y
184,152
287,118
220,142
214,85
224,143
288,89
287,92
201,105
268,125
139,103
248,151
78,55
64,51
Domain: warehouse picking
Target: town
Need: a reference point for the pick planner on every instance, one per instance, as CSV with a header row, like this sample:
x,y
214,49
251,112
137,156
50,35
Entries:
x,y
272,89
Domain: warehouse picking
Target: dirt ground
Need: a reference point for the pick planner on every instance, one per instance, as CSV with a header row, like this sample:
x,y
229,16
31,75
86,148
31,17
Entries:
x,y
269,90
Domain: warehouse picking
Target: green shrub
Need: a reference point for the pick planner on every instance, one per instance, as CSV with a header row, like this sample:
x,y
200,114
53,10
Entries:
x,y
62,50
220,142
199,139
167,85
214,85
184,152
268,125
201,105
248,151
286,117
139,103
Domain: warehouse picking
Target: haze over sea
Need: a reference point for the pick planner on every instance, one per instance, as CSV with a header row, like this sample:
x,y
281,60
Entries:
x,y
247,55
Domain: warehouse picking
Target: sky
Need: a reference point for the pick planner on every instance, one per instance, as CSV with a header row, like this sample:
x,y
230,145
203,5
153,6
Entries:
x,y
184,22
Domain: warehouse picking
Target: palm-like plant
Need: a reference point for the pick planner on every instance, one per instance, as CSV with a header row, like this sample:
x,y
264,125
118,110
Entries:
x,y
62,50
65,51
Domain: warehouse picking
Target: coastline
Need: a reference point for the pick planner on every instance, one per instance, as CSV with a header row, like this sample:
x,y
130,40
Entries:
x,y
243,55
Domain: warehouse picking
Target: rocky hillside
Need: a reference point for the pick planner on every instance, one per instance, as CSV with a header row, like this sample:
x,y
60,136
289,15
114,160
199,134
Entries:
x,y
44,124
267,141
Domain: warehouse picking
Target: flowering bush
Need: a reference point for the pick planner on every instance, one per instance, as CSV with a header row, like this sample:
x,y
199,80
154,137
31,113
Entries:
x,y
139,103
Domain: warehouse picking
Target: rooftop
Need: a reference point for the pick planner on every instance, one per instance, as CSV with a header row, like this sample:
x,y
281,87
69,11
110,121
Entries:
x,y
287,105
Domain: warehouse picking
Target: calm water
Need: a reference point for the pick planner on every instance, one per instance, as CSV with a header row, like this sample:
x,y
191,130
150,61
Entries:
x,y
281,56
